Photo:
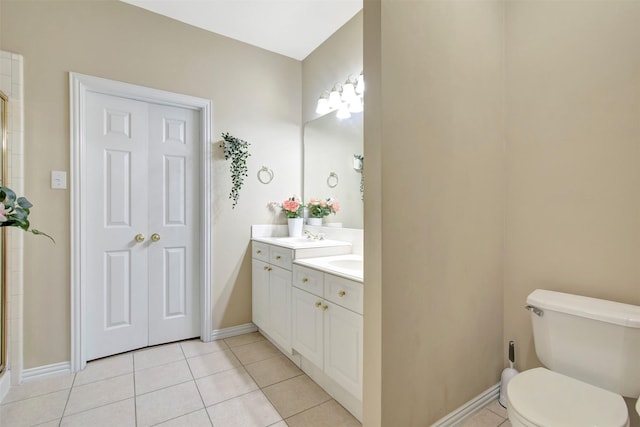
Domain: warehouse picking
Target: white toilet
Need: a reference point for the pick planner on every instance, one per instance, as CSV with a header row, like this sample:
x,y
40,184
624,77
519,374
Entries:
x,y
591,348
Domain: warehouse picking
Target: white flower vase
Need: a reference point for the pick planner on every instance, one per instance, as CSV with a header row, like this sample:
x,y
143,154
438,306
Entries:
x,y
314,221
295,226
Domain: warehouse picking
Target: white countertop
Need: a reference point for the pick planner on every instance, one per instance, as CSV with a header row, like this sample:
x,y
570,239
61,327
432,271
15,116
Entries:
x,y
347,266
300,242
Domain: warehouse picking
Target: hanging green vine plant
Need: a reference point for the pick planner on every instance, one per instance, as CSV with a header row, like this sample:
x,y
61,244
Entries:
x,y
238,151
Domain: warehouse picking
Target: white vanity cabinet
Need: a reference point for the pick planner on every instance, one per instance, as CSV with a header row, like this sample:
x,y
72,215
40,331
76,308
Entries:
x,y
271,292
328,325
308,316
272,260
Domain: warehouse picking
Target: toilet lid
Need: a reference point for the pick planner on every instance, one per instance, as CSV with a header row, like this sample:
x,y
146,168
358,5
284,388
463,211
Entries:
x,y
546,398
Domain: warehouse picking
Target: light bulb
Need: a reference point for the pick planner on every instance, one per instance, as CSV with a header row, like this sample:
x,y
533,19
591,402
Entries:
x,y
343,112
348,92
360,84
334,98
323,106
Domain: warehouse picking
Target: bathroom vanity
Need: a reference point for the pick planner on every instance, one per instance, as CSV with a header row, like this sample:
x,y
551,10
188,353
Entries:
x,y
272,262
308,300
327,322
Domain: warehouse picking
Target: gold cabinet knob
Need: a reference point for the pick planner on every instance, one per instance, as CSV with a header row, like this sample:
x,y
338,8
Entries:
x,y
155,237
318,303
278,257
139,237
305,280
325,307
341,294
269,268
265,268
258,251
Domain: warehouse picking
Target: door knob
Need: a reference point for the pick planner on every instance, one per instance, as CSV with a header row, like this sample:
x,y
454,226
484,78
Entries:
x,y
155,237
139,237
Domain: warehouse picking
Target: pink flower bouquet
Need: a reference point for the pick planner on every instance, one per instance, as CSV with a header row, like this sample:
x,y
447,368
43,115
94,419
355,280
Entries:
x,y
320,208
292,207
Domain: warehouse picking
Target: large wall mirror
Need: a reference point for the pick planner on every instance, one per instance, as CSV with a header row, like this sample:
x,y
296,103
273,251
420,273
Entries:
x,y
3,286
333,166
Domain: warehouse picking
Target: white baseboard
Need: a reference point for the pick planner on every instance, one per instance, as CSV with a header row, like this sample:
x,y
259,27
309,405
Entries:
x,y
218,334
47,371
469,408
5,383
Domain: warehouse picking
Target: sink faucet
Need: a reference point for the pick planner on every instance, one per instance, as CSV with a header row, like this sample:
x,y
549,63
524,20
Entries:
x,y
313,236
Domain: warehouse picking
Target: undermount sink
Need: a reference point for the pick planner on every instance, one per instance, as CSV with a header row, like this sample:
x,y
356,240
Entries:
x,y
348,264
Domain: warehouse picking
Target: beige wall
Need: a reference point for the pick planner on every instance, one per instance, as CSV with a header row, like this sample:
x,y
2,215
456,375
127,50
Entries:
x,y
442,200
256,96
573,157
562,194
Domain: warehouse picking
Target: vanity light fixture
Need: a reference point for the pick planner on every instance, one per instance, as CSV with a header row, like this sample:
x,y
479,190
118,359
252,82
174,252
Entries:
x,y
323,105
345,98
335,99
348,91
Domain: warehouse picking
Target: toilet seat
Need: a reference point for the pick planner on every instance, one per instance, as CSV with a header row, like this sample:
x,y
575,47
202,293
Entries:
x,y
540,397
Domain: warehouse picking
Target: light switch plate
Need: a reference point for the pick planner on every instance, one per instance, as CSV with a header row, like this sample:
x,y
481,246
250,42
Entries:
x,y
58,180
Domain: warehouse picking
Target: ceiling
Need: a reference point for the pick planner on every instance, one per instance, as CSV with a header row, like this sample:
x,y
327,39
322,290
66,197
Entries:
x,y
293,28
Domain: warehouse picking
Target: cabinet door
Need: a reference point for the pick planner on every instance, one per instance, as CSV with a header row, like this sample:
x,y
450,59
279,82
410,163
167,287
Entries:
x,y
343,347
307,326
260,293
279,307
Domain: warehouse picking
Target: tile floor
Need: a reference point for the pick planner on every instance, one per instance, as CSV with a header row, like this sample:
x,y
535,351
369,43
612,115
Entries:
x,y
239,381
492,415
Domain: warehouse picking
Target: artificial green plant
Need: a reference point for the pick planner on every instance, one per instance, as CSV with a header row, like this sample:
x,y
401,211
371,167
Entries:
x,y
238,151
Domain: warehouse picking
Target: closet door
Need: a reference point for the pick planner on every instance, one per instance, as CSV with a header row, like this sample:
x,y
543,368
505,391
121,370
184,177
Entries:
x,y
173,224
116,302
142,270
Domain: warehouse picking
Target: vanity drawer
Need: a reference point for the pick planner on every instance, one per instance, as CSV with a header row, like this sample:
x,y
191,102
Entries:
x,y
260,251
282,257
308,279
344,292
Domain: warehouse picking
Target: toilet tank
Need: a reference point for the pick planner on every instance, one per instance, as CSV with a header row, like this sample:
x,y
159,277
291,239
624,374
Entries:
x,y
593,340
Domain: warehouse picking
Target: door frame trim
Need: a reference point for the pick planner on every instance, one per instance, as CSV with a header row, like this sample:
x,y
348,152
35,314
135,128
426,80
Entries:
x,y
79,85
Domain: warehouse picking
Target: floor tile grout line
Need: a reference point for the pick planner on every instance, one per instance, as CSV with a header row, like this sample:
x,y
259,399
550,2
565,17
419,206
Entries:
x,y
311,407
281,381
261,338
66,403
34,396
262,360
180,416
195,383
135,398
235,397
102,379
96,407
500,415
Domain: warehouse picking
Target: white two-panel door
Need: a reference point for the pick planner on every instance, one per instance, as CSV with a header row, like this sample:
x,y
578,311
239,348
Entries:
x,y
142,223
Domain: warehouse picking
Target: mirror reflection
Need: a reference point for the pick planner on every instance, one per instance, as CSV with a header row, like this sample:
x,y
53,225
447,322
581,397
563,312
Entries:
x,y
334,166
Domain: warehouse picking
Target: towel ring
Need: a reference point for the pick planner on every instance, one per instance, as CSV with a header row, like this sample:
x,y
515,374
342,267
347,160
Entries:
x,y
265,170
332,180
